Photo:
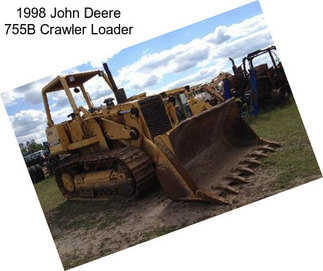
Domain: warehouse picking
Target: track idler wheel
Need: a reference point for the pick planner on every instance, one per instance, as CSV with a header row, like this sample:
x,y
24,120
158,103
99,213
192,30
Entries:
x,y
68,181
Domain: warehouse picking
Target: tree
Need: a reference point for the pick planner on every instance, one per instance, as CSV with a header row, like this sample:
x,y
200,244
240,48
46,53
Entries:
x,y
23,148
34,146
30,146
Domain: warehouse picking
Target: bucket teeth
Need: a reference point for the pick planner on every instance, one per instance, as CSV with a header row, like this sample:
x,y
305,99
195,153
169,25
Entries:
x,y
228,188
245,170
266,148
237,178
257,154
211,197
273,144
220,199
251,161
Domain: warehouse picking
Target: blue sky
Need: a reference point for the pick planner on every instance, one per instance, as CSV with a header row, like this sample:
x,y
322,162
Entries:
x,y
183,35
194,54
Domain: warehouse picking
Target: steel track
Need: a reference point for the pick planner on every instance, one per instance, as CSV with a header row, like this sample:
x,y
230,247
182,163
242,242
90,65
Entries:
x,y
133,160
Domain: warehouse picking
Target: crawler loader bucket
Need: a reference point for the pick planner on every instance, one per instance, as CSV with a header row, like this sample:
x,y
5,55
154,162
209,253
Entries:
x,y
207,156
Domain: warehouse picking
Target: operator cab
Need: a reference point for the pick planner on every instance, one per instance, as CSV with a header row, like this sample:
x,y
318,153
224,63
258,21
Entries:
x,y
73,133
76,82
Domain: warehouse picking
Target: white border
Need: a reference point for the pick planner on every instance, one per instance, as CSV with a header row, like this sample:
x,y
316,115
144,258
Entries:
x,y
283,232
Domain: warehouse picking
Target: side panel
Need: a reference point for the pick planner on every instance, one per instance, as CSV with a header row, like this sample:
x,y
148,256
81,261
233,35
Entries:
x,y
57,139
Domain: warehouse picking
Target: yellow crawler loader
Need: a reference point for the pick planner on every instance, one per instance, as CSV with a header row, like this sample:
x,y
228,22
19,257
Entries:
x,y
120,149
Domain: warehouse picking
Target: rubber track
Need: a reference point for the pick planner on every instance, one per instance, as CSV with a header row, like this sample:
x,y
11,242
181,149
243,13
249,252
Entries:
x,y
133,159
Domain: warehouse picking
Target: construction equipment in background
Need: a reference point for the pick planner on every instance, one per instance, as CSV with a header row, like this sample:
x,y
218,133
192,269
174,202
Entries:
x,y
50,160
119,149
184,102
34,162
258,86
36,173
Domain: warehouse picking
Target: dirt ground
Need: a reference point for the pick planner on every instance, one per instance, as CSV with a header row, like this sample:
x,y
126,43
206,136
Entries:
x,y
116,225
87,230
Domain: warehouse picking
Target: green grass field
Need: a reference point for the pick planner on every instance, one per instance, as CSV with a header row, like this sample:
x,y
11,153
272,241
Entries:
x,y
49,195
295,159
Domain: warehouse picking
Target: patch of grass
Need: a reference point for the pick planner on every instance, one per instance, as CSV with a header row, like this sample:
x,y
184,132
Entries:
x,y
69,214
85,215
295,158
49,194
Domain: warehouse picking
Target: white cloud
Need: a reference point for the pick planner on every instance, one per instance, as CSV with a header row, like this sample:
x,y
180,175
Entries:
x,y
191,58
149,80
203,75
241,47
10,97
60,115
150,69
30,93
28,125
218,36
97,87
247,26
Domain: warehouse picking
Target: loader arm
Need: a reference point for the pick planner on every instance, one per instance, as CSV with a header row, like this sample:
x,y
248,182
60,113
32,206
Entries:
x,y
214,93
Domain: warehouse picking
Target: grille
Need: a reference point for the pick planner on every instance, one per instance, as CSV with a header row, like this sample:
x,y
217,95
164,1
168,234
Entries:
x,y
155,115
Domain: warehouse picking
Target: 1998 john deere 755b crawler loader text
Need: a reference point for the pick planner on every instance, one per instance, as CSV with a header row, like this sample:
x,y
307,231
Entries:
x,y
120,149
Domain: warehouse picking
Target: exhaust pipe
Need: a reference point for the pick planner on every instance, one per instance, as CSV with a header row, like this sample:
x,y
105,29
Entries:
x,y
119,93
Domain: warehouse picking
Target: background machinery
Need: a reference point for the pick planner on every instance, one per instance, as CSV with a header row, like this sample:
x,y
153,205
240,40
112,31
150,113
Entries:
x,y
34,162
257,86
184,102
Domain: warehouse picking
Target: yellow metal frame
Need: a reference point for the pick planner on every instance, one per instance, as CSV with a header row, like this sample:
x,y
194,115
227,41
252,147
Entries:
x,y
65,83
